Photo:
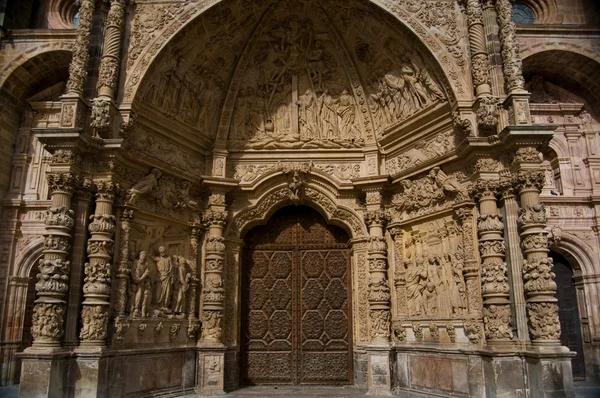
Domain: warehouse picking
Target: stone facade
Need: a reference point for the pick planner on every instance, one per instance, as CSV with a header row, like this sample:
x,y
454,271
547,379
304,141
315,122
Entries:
x,y
458,151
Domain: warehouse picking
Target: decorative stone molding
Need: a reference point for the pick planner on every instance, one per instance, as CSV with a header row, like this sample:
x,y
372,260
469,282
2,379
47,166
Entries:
x,y
124,264
471,269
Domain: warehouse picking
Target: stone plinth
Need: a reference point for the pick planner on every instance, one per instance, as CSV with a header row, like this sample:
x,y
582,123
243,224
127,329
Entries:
x,y
379,371
210,373
43,374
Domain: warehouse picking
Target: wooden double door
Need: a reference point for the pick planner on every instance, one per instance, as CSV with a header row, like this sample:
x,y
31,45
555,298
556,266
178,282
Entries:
x,y
296,306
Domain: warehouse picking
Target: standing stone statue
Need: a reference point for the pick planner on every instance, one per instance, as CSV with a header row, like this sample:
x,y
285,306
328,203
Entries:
x,y
183,279
140,277
164,264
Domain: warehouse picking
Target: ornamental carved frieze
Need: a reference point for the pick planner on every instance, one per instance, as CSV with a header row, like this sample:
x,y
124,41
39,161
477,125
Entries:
x,y
535,214
47,321
95,322
102,223
497,322
53,276
211,325
544,321
431,193
165,195
60,217
538,276
527,155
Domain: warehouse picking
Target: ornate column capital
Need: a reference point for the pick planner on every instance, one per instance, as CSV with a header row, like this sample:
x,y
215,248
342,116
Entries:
x,y
376,218
214,218
485,190
66,182
529,180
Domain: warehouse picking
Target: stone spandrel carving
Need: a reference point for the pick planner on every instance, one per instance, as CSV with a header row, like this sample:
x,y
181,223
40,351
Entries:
x,y
439,145
163,194
171,154
398,92
294,94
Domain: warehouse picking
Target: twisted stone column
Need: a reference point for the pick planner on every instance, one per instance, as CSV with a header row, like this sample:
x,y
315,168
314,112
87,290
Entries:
x,y
399,272
124,266
471,270
540,288
54,269
486,107
480,63
108,77
81,50
497,315
379,291
213,293
109,64
512,65
96,289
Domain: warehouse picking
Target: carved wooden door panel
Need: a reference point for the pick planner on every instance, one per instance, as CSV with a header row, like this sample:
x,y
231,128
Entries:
x,y
296,302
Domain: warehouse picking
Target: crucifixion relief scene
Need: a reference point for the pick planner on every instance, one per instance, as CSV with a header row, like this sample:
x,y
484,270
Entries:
x,y
313,197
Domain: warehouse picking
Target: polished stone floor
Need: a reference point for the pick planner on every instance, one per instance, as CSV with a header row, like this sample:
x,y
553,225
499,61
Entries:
x,y
583,389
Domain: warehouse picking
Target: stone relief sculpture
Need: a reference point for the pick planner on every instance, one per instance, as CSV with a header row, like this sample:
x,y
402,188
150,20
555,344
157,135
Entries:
x,y
161,288
294,95
432,148
400,91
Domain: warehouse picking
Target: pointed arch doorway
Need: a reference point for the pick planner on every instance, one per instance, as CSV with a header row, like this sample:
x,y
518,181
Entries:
x,y
296,302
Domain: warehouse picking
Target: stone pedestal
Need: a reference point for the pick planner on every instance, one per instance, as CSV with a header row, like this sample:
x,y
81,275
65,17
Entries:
x,y
210,374
505,376
379,371
89,374
43,374
550,375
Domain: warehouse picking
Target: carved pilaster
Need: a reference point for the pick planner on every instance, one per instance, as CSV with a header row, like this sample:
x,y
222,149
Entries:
x,y
539,285
96,289
497,315
399,272
124,266
81,50
379,290
213,293
54,269
471,270
195,233
512,65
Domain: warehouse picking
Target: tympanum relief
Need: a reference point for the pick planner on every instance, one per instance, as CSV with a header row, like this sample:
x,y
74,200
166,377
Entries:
x,y
295,93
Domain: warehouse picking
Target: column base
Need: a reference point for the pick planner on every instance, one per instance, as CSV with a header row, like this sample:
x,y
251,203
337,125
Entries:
x,y
210,373
550,375
379,374
44,373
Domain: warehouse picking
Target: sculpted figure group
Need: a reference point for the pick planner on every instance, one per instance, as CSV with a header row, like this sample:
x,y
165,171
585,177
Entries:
x,y
163,292
435,285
